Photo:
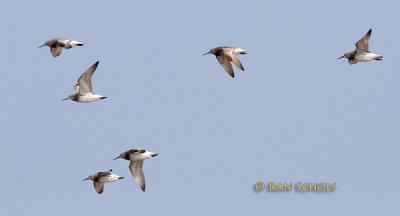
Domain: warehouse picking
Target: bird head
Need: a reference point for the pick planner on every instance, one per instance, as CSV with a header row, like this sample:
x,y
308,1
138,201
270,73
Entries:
x,y
346,55
212,51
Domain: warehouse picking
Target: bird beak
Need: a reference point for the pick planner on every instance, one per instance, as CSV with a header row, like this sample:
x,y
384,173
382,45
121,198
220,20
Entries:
x,y
341,57
85,179
209,52
117,157
65,99
42,45
153,155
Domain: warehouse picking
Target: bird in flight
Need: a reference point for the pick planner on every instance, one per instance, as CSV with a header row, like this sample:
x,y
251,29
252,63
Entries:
x,y
100,178
362,53
227,55
136,158
57,44
83,89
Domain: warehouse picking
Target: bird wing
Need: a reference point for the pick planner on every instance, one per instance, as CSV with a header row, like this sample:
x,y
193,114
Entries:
x,y
62,42
105,173
226,64
231,55
66,43
85,80
136,169
141,150
99,187
362,44
352,61
55,51
76,88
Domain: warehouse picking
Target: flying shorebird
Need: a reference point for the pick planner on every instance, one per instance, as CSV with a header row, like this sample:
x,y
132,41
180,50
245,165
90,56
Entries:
x,y
102,177
136,158
227,55
83,89
362,53
57,44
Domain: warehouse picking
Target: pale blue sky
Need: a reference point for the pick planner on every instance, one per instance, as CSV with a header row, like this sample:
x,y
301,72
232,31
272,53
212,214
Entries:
x,y
296,113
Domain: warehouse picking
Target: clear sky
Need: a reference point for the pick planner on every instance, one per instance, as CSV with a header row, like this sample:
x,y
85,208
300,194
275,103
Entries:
x,y
296,113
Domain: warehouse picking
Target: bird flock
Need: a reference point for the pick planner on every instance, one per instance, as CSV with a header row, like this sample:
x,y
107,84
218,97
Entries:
x,y
226,56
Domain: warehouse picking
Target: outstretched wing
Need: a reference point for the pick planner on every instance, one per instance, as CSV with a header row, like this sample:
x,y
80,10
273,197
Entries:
x,y
136,168
362,44
76,88
231,55
55,51
99,187
85,80
226,64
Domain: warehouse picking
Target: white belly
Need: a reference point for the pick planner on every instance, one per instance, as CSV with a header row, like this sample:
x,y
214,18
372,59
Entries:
x,y
366,56
89,98
68,43
74,43
109,178
141,156
238,50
